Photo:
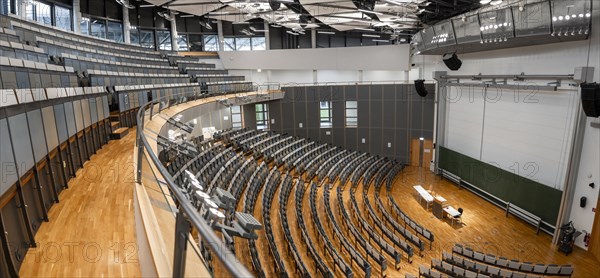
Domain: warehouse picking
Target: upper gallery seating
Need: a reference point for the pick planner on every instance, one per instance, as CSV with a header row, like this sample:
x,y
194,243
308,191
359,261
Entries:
x,y
62,97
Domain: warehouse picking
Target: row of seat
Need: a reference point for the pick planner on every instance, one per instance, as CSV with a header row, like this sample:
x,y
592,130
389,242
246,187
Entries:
x,y
481,268
272,183
18,50
338,261
526,267
284,195
321,266
352,253
53,32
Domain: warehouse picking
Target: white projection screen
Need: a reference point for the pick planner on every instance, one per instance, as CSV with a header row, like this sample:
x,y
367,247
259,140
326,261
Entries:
x,y
526,131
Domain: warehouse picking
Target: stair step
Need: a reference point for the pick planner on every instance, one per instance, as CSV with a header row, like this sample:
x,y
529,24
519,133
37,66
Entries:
x,y
114,124
119,133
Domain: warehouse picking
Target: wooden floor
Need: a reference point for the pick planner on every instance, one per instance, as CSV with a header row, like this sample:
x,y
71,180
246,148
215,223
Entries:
x,y
91,232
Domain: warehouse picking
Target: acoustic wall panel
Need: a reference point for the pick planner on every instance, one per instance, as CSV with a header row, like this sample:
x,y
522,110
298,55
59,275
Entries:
x,y
105,106
464,119
100,109
85,110
61,123
77,112
8,170
93,106
70,118
50,127
21,143
38,138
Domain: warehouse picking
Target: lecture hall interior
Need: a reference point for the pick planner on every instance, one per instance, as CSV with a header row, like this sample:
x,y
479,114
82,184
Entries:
x,y
300,138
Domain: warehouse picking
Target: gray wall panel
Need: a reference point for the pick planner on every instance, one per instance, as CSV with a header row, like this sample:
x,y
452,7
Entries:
x,y
326,135
312,115
313,134
386,113
363,92
388,136
78,115
21,143
50,127
363,133
375,114
350,92
275,115
93,110
38,138
100,108
70,115
300,116
389,114
389,92
288,121
105,106
351,139
85,110
61,123
8,170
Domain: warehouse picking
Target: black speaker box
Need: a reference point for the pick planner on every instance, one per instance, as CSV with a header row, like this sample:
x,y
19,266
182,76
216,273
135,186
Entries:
x,y
275,5
420,87
452,61
582,202
590,99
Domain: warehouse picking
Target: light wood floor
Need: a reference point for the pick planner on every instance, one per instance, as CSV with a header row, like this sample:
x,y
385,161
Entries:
x,y
91,232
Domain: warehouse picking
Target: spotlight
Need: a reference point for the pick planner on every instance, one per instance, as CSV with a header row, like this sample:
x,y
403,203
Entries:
x,y
554,18
420,87
560,17
588,15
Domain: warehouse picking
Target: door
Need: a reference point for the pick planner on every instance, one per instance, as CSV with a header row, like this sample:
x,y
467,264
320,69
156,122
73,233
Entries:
x,y
421,152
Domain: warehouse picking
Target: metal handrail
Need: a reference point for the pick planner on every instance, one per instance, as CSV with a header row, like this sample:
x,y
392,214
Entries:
x,y
185,210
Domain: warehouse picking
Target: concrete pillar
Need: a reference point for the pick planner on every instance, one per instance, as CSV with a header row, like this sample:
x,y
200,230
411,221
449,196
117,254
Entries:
x,y
220,35
315,77
360,76
126,25
77,16
313,36
174,35
267,36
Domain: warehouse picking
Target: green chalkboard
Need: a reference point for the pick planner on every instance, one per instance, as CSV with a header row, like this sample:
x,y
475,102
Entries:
x,y
536,198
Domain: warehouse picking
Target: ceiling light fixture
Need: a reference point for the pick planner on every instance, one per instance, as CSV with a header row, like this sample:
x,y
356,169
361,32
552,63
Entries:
x,y
326,32
496,2
376,40
371,35
485,2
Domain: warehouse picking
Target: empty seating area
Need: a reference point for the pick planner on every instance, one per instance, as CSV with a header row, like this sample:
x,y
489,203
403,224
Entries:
x,y
341,235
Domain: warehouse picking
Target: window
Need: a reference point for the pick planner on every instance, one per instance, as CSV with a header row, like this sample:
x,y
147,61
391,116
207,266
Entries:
x,y
351,113
84,24
164,40
262,116
236,117
243,44
147,39
115,31
4,6
182,43
195,42
98,28
134,35
62,18
211,43
259,43
229,44
40,12
325,114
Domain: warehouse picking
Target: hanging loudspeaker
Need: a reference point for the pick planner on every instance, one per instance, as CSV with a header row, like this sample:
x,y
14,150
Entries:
x,y
275,5
452,61
590,99
420,87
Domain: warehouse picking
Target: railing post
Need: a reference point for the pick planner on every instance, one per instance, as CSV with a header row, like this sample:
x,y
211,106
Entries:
x,y
182,230
140,153
507,208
